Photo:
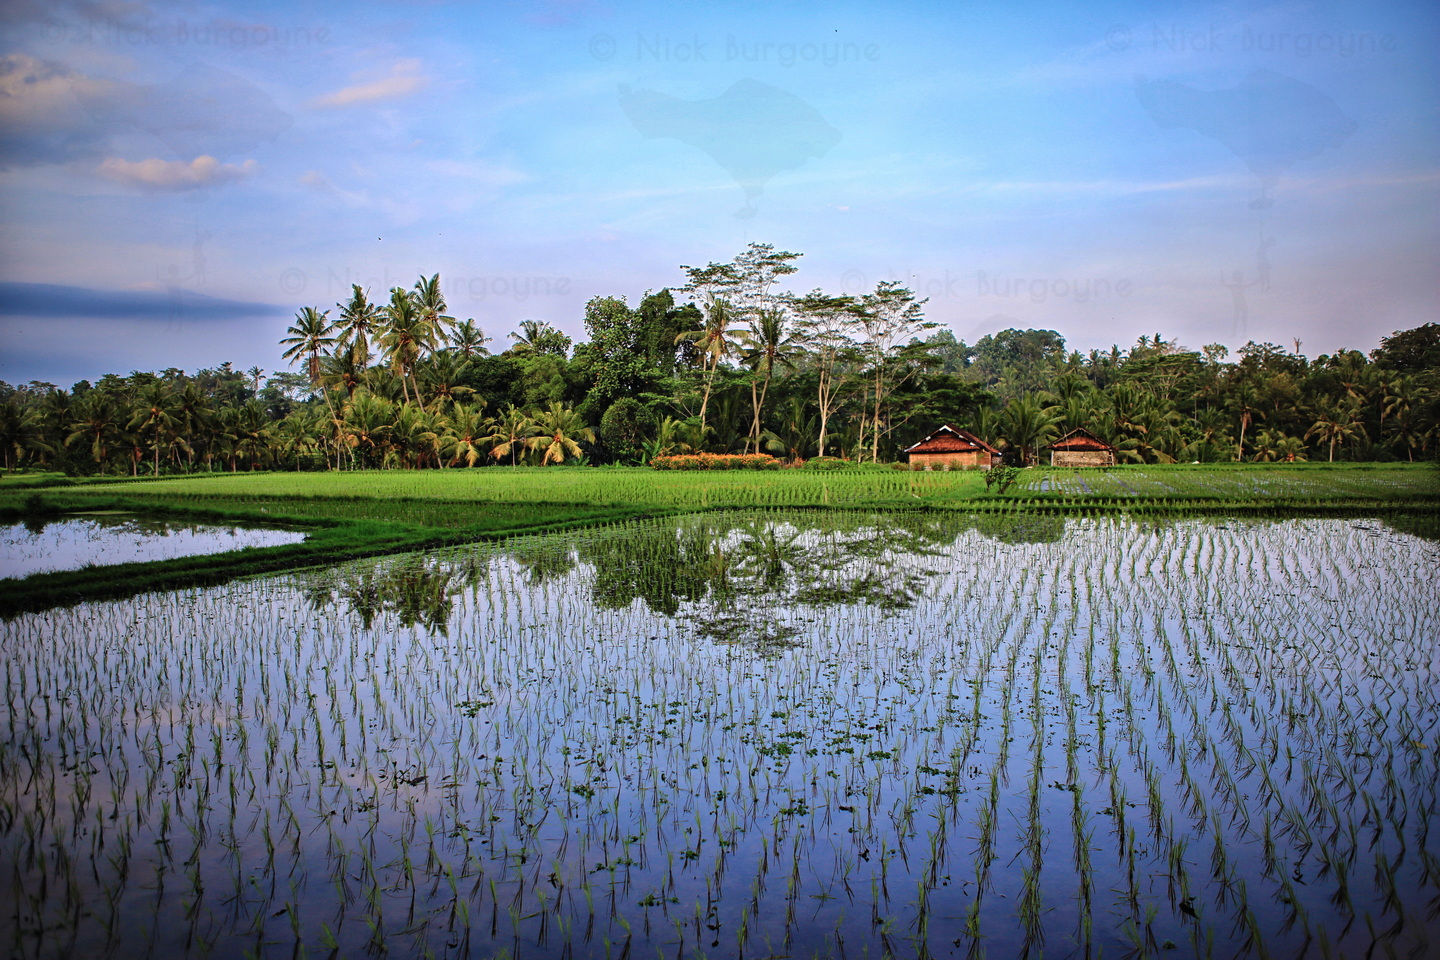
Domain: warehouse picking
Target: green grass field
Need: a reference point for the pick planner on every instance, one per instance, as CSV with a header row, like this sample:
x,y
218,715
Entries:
x,y
352,514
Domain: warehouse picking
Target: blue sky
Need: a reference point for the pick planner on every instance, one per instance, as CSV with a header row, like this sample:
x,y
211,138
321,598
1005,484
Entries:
x,y
177,180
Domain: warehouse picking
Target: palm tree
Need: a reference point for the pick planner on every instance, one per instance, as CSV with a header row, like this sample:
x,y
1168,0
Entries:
x,y
1403,397
359,318
1246,402
342,369
1336,422
468,340
365,424
412,436
155,416
465,432
17,434
442,374
195,413
309,335
95,424
406,336
668,440
255,373
537,336
558,430
799,426
766,344
712,342
1027,425
431,304
509,433
249,431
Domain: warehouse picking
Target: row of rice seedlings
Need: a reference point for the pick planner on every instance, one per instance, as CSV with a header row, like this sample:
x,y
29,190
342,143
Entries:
x,y
527,768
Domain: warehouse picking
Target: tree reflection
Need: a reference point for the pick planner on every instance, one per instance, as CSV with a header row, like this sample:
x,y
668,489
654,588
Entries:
x,y
734,578
419,591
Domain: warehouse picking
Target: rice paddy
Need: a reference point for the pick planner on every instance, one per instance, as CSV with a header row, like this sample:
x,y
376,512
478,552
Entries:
x,y
763,734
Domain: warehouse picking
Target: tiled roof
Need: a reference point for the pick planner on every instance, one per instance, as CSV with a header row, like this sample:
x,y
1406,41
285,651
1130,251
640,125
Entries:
x,y
1080,439
950,440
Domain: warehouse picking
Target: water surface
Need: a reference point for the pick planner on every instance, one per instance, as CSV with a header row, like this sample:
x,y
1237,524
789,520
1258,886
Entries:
x,y
777,735
76,542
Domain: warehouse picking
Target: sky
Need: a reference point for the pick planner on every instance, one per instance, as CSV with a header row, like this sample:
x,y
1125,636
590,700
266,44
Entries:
x,y
178,180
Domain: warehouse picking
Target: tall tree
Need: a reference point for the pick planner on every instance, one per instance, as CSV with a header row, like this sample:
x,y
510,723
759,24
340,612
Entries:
x,y
767,344
714,341
359,321
406,337
827,325
889,317
468,340
430,303
1337,421
310,334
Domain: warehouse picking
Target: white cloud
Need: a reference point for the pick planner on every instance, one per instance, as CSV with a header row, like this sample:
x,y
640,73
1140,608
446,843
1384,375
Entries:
x,y
157,174
404,79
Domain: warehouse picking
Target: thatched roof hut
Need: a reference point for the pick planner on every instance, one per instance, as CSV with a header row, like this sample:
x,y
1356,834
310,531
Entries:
x,y
1081,448
951,449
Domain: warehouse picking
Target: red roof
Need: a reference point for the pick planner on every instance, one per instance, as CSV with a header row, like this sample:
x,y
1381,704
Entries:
x,y
1080,439
950,440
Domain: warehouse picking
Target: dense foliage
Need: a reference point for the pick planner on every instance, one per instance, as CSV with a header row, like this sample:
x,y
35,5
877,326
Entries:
x,y
726,363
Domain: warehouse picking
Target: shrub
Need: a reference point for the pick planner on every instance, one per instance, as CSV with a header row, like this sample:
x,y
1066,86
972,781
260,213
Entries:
x,y
827,463
716,461
1001,478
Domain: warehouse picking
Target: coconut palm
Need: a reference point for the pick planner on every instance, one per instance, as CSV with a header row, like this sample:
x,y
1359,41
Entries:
x,y
669,439
405,338
95,425
464,435
411,436
1404,398
509,433
249,431
713,342
431,304
468,339
311,333
342,369
196,415
1027,424
558,432
442,374
766,344
537,336
365,424
154,417
1245,402
1336,422
359,320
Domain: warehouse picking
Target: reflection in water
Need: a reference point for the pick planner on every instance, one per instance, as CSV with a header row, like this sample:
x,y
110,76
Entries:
x,y
739,579
1205,737
44,545
418,590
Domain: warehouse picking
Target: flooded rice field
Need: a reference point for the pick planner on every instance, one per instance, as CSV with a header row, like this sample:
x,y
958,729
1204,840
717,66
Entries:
x,y
75,542
783,735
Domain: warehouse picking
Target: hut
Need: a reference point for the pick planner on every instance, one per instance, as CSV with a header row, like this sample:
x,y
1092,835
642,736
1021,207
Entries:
x,y
1081,448
952,449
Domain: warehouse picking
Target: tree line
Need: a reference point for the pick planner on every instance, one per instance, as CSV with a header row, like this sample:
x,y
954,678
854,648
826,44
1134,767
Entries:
x,y
727,361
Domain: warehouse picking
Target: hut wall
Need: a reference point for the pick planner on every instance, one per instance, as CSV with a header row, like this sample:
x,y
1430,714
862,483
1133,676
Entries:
x,y
960,460
1082,458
